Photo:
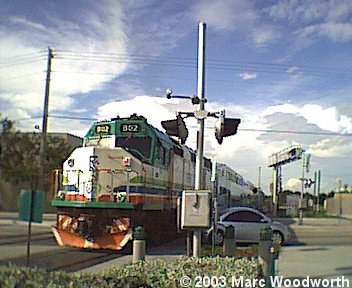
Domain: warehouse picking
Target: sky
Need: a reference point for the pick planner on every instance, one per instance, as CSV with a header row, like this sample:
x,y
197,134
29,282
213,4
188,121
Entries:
x,y
276,65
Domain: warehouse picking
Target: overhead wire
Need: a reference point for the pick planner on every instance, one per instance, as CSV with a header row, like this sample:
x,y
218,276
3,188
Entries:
x,y
212,64
138,59
165,61
274,131
22,56
24,75
22,60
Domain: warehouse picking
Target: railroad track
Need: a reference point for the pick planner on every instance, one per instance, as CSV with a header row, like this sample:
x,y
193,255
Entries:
x,y
17,239
64,259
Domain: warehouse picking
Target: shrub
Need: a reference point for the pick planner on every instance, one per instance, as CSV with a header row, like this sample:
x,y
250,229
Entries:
x,y
154,274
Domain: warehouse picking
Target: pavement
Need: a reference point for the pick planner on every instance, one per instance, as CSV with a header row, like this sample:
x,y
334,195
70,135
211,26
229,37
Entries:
x,y
295,262
345,221
315,261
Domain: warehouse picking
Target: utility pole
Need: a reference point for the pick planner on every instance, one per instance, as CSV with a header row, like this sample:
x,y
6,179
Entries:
x,y
200,133
45,119
41,180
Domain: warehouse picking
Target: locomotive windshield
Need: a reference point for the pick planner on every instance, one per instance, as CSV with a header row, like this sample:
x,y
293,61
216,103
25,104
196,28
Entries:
x,y
138,146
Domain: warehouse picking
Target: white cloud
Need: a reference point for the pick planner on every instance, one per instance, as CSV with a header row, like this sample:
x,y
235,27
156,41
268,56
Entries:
x,y
26,23
284,108
263,34
308,11
326,119
315,19
248,75
240,16
293,184
292,69
224,14
23,80
331,147
340,32
336,31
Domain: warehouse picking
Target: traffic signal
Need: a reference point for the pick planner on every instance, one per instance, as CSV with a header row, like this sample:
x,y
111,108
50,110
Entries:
x,y
225,127
176,128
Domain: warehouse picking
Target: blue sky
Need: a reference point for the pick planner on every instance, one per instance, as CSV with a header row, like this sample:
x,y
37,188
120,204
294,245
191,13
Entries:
x,y
283,65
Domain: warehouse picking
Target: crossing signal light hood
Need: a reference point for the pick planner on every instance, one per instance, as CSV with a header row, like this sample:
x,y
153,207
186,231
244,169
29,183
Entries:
x,y
176,127
226,127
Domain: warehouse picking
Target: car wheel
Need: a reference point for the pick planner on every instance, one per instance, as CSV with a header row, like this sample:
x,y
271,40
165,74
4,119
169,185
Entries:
x,y
277,238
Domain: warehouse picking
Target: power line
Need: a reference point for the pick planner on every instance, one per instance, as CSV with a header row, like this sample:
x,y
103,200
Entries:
x,y
23,56
73,118
274,131
22,61
23,75
296,132
111,56
212,64
240,66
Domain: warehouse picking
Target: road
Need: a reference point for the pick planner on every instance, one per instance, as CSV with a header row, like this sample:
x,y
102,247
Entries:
x,y
322,234
320,248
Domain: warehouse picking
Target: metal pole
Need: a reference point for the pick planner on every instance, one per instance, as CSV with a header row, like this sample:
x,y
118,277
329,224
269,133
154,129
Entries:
x,y
200,134
318,190
259,177
302,192
315,188
214,205
45,119
275,182
29,236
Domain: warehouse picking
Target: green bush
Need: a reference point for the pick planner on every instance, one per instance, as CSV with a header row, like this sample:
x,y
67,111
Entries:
x,y
154,274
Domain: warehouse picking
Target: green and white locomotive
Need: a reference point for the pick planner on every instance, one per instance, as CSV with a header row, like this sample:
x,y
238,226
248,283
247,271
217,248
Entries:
x,y
127,174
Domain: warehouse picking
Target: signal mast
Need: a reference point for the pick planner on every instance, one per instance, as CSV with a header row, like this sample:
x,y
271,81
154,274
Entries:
x,y
277,160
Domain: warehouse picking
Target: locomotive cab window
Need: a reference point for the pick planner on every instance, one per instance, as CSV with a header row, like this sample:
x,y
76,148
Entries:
x,y
138,146
162,155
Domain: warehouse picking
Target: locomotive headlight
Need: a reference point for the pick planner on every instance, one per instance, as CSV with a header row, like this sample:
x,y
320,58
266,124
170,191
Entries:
x,y
127,161
71,162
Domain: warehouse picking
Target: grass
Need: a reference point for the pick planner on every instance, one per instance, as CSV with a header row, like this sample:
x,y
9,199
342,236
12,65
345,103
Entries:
x,y
250,251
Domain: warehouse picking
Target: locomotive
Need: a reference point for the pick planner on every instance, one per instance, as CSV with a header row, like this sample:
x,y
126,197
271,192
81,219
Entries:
x,y
129,174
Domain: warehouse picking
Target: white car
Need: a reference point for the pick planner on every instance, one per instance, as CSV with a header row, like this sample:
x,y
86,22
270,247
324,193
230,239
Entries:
x,y
247,223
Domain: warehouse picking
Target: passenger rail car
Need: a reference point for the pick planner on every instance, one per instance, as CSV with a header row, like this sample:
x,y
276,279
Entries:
x,y
127,174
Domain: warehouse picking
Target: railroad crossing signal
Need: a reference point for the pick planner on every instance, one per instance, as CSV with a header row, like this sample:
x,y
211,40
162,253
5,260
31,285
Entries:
x,y
288,155
176,127
225,127
308,182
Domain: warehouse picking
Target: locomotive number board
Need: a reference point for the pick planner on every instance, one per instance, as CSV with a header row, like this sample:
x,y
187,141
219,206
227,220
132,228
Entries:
x,y
132,128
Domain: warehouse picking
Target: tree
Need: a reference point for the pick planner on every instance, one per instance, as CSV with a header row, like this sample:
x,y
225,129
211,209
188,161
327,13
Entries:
x,y
20,156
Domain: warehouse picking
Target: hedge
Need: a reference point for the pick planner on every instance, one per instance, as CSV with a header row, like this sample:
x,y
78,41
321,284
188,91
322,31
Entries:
x,y
154,274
